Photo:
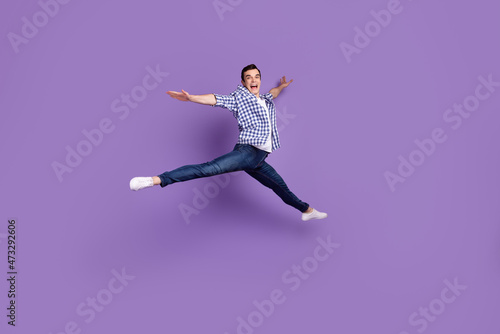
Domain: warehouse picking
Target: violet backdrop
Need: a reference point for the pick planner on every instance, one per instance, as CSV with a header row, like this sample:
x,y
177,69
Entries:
x,y
371,132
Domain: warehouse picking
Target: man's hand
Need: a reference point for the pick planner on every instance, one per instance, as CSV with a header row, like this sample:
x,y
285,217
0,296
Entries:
x,y
181,96
283,84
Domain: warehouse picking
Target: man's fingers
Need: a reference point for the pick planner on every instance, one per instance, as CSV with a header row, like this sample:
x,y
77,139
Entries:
x,y
177,95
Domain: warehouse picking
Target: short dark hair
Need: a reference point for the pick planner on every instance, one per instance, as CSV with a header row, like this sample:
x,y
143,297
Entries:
x,y
248,68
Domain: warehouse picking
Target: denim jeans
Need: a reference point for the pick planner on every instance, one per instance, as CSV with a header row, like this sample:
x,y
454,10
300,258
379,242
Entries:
x,y
243,157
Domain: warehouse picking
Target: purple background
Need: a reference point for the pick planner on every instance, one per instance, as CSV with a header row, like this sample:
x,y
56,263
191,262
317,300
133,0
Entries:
x,y
347,124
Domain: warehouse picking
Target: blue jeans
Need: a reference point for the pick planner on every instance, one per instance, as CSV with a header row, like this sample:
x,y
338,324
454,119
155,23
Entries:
x,y
243,157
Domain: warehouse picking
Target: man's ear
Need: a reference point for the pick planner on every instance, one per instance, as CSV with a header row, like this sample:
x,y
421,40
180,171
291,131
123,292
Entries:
x,y
243,82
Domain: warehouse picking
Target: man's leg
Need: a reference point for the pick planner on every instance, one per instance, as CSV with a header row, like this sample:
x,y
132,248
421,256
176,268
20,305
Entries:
x,y
241,158
229,162
268,176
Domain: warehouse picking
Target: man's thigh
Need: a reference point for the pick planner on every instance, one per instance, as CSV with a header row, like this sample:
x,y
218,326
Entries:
x,y
243,157
267,175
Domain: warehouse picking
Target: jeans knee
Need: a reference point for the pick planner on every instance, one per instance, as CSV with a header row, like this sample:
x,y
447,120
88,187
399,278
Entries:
x,y
212,168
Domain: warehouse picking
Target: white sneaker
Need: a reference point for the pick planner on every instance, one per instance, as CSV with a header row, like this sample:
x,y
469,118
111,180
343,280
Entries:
x,y
315,214
138,183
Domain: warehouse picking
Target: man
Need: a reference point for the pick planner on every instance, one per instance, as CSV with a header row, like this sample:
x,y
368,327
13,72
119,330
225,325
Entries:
x,y
256,115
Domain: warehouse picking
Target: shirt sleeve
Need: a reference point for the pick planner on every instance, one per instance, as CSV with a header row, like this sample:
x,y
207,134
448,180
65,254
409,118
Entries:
x,y
268,96
226,101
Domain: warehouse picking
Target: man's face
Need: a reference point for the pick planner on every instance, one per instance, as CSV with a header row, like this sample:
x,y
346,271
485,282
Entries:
x,y
252,81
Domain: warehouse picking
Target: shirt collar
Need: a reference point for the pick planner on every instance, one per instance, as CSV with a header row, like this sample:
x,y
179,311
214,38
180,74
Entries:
x,y
244,90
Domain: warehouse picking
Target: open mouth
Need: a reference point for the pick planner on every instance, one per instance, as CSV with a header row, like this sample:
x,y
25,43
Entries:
x,y
253,86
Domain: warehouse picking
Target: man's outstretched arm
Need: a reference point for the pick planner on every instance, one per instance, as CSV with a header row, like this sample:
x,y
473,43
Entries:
x,y
283,84
208,99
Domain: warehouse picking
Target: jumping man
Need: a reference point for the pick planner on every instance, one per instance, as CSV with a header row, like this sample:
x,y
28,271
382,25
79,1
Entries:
x,y
256,115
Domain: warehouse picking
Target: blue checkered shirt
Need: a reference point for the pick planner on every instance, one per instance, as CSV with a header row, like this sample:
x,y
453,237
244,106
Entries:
x,y
252,120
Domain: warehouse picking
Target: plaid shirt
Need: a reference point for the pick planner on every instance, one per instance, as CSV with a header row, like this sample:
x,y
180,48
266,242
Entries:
x,y
251,116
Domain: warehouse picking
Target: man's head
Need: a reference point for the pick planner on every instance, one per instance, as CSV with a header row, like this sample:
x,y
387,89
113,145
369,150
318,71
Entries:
x,y
250,78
